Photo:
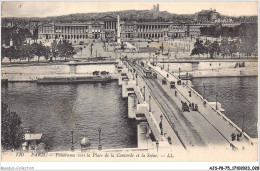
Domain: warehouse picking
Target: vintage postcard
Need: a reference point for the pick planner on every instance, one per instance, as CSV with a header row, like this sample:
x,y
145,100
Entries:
x,y
129,81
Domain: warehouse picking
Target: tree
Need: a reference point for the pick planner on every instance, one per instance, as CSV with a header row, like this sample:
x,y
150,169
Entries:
x,y
46,52
19,36
224,47
11,53
66,49
214,48
198,48
206,47
12,134
38,50
54,49
232,48
3,52
27,51
35,34
238,45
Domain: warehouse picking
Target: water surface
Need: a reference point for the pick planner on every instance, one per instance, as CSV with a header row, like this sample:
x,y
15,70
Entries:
x,y
55,110
237,95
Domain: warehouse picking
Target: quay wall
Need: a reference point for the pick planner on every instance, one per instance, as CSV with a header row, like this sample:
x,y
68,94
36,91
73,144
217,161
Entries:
x,y
30,73
205,66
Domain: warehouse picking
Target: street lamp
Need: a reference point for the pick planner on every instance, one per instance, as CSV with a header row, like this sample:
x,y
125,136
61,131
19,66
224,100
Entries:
x,y
157,145
217,101
161,117
168,60
153,60
179,73
163,63
72,146
243,124
99,144
144,93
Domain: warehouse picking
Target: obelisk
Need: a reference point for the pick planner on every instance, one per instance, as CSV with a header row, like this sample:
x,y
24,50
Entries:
x,y
118,29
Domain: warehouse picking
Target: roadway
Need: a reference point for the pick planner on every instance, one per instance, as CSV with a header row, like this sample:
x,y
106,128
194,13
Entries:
x,y
192,129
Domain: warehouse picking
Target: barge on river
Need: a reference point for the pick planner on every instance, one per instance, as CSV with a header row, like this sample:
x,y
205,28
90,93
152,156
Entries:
x,y
74,79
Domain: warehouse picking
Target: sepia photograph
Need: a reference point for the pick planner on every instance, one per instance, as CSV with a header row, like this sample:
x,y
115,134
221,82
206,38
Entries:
x,y
119,81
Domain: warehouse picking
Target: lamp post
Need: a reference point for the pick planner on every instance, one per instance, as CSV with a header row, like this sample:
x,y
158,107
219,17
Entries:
x,y
163,63
161,117
72,146
99,144
169,60
153,60
157,145
217,101
144,93
179,73
91,50
150,107
162,47
243,123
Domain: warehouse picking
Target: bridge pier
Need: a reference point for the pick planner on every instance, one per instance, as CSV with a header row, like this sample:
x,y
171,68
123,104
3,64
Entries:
x,y
131,106
143,137
124,87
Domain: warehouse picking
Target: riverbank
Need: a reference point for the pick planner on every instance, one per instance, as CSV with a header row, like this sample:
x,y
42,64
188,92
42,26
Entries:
x,y
229,72
213,69
28,73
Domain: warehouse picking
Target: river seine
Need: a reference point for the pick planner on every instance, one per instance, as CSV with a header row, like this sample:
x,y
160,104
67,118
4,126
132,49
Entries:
x,y
55,110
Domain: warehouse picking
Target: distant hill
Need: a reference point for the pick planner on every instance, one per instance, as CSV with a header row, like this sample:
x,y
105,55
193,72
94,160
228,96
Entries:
x,y
137,15
127,15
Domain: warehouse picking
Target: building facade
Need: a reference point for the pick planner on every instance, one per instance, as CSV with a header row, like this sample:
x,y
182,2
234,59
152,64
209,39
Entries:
x,y
105,30
208,15
102,29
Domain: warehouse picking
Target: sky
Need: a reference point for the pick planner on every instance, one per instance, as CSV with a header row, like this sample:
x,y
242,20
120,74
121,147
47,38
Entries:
x,y
44,9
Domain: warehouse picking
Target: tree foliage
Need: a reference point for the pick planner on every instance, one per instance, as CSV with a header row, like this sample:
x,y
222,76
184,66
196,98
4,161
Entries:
x,y
214,49
66,49
12,134
246,32
224,48
39,50
17,35
198,48
26,51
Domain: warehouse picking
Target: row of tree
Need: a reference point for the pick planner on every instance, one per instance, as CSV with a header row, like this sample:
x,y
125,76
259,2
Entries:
x,y
245,32
62,49
16,35
248,30
224,48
